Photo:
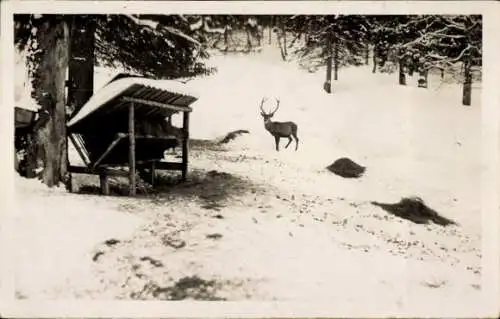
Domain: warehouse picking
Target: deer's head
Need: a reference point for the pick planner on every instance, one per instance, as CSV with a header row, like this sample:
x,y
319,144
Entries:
x,y
268,116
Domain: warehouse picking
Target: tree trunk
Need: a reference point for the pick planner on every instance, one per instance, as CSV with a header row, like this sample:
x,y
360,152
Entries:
x,y
283,32
226,39
282,50
271,20
374,69
81,63
328,81
249,42
281,40
402,77
50,86
466,96
335,59
367,54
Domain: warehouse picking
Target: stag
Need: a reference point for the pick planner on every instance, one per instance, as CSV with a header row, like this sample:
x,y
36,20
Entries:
x,y
279,129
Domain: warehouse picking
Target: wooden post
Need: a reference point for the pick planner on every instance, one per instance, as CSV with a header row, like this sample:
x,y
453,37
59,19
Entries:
x,y
153,173
103,178
131,154
68,181
185,140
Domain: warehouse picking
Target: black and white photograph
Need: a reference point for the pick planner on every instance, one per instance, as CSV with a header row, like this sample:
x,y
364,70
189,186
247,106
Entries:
x,y
199,155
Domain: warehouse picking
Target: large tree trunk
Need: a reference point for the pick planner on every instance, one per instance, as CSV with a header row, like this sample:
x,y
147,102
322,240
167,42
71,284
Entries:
x,y
50,86
328,81
467,88
374,57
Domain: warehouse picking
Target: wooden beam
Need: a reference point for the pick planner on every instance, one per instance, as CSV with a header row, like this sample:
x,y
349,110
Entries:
x,y
78,149
131,154
185,144
153,173
170,166
68,182
166,137
103,178
157,104
109,149
96,171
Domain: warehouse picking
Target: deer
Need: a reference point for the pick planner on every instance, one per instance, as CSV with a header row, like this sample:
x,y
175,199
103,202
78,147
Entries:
x,y
279,129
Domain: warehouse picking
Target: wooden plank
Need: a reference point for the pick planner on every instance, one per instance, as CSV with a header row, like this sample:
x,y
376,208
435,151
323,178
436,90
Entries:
x,y
131,155
103,178
185,144
157,104
108,150
68,183
153,173
149,137
96,171
169,166
78,149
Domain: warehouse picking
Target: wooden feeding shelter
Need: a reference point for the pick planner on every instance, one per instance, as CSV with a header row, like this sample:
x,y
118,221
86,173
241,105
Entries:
x,y
124,124
24,120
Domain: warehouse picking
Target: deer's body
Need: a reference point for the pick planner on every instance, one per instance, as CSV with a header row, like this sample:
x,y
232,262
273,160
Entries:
x,y
280,129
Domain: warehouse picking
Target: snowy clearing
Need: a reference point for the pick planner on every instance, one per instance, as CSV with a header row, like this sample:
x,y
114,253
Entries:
x,y
255,224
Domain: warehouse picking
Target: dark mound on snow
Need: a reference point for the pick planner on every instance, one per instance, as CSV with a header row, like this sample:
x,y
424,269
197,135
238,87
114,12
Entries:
x,y
415,210
232,135
345,167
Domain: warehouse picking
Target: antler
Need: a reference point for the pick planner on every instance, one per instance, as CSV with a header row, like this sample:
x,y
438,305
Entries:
x,y
277,106
262,104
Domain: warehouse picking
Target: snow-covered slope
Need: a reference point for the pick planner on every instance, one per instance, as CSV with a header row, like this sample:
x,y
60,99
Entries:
x,y
414,142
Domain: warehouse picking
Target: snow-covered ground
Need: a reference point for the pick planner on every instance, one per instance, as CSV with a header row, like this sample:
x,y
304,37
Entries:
x,y
278,226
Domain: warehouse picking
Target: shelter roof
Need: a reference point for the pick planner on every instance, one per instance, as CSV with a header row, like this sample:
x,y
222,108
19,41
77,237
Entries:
x,y
153,98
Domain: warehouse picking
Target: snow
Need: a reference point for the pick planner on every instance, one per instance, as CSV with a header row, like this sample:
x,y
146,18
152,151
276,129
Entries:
x,y
22,84
58,241
296,232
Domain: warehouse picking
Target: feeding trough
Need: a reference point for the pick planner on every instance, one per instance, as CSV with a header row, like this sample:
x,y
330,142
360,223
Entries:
x,y
124,125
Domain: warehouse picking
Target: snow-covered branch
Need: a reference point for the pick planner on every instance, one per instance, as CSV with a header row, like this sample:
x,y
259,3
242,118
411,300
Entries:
x,y
155,27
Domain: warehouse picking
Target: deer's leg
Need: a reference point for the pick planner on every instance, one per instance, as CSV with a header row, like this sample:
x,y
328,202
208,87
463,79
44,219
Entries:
x,y
289,141
296,140
277,141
